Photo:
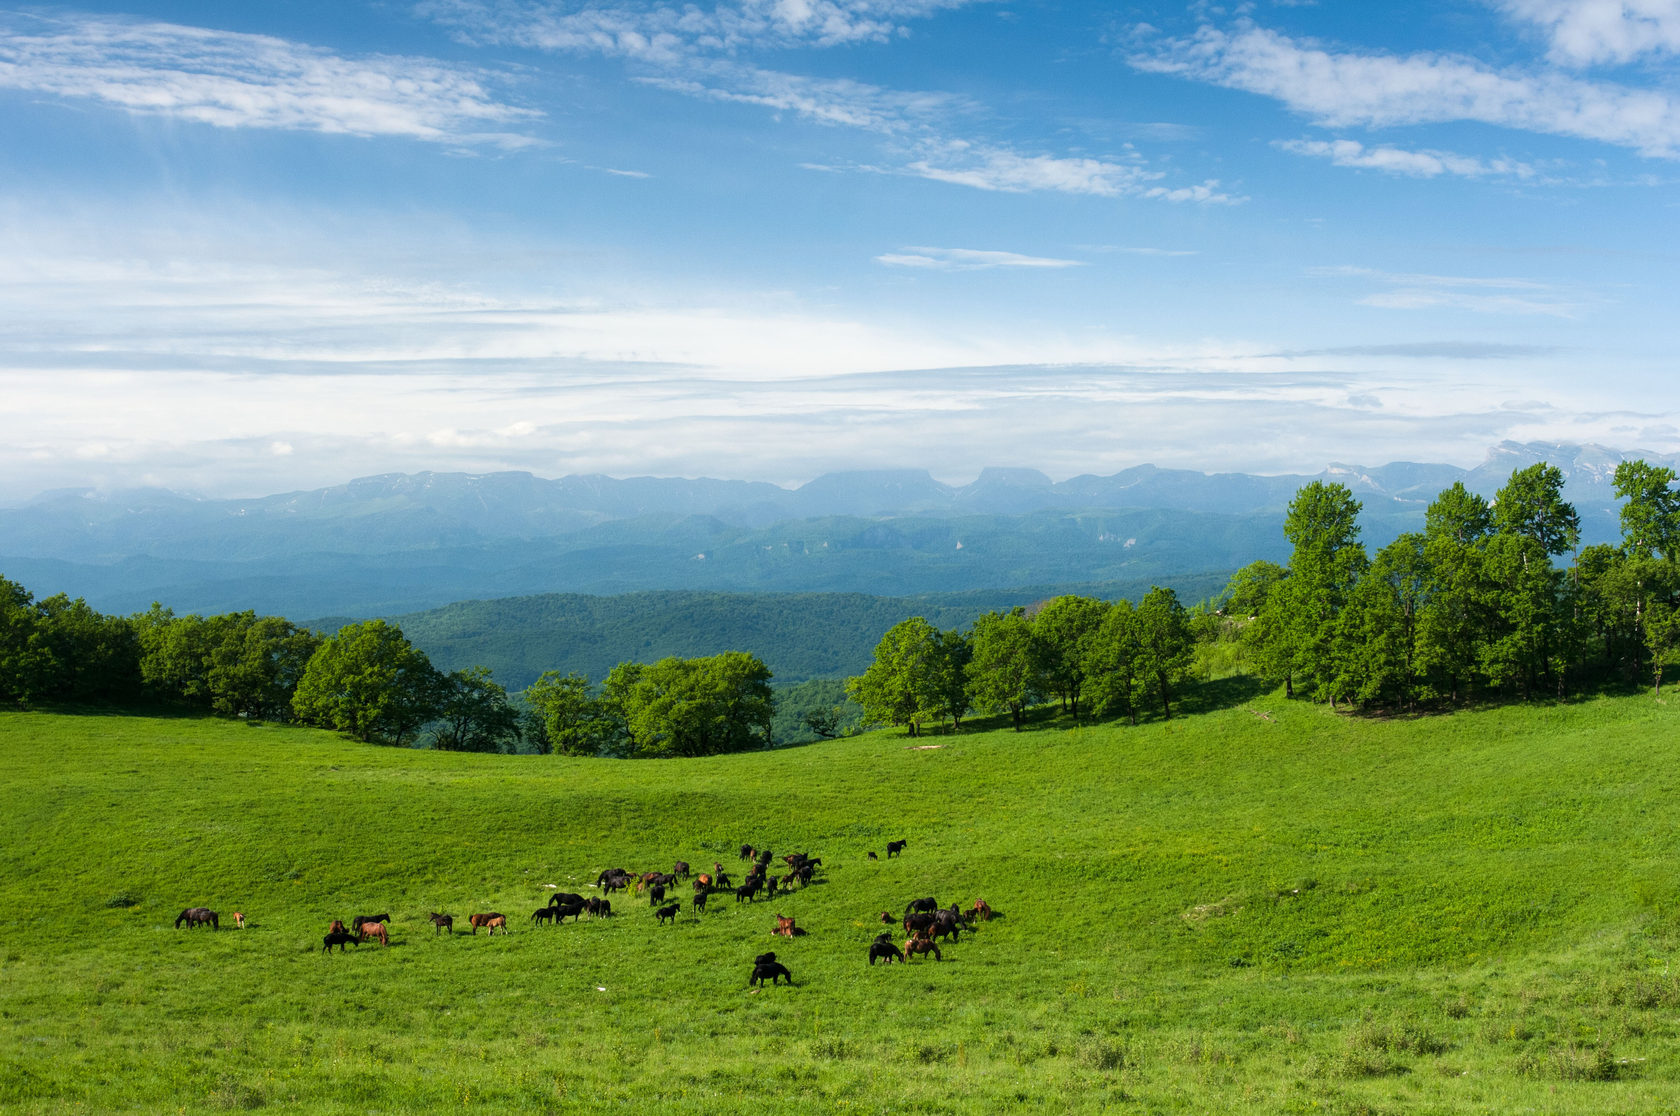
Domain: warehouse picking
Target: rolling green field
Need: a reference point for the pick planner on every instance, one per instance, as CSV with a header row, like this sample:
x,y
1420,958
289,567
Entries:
x,y
1261,907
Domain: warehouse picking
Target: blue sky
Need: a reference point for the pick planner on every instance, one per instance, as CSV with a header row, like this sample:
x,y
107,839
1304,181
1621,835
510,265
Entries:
x,y
248,248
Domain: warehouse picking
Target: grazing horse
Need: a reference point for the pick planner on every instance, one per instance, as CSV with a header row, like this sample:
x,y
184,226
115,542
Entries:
x,y
680,869
442,922
919,944
573,911
375,930
337,926
561,898
198,916
656,893
703,882
882,949
982,910
917,922
239,920
929,904
747,852
478,920
600,908
872,856
339,938
497,922
700,900
895,847
543,914
356,923
786,928
667,913
888,918
771,970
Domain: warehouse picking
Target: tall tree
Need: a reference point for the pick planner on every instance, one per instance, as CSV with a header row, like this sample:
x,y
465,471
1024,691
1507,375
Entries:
x,y
1378,641
371,682
1454,620
474,714
1065,627
568,715
902,684
699,707
1323,525
1166,648
1004,670
1114,666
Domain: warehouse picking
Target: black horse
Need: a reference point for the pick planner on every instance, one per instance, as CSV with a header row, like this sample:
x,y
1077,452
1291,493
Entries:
x,y
198,916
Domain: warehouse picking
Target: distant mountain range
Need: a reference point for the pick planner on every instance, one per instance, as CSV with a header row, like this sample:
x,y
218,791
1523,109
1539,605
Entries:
x,y
400,543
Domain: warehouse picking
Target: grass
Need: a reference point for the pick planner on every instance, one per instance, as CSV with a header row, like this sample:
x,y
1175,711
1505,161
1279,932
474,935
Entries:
x,y
1261,907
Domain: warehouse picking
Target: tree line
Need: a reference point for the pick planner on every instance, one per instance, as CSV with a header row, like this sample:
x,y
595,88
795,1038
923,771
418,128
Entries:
x,y
1086,654
369,681
1476,606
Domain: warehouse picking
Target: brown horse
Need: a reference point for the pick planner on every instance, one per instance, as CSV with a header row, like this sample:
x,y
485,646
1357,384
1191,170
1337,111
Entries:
x,y
919,944
337,926
197,916
375,930
442,922
495,923
478,920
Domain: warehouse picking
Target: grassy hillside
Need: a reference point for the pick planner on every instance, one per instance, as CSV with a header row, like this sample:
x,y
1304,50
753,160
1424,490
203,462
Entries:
x,y
1259,908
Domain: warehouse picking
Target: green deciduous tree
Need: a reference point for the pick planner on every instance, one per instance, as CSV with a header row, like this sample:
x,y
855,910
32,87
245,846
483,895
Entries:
x,y
903,684
474,714
1114,667
694,707
1065,627
1323,525
369,681
1003,674
1165,645
569,718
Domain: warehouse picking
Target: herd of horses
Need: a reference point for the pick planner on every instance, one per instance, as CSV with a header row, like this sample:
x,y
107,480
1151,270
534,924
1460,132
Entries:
x,y
925,923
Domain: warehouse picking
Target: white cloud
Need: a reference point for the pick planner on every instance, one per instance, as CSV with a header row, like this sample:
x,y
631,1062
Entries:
x,y
1396,160
664,32
1478,294
1376,90
233,80
968,259
1583,32
695,52
837,101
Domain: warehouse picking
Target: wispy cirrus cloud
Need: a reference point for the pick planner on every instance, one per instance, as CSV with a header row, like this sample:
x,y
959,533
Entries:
x,y
1479,294
968,259
1006,171
664,32
699,52
1347,88
1583,32
1398,160
235,80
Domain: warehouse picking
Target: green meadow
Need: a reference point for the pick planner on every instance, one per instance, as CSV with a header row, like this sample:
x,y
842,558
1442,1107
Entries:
x,y
1260,906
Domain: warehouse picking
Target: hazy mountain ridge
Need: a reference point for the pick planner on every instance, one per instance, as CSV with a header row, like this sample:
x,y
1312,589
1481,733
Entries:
x,y
397,543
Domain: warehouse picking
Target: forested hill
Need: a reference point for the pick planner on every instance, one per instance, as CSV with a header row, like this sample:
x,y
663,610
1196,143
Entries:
x,y
798,635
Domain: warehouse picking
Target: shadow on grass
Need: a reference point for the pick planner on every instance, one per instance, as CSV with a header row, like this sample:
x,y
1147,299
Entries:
x,y
1220,693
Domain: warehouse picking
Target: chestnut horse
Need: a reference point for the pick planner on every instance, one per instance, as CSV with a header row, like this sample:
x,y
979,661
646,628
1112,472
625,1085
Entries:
x,y
375,930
